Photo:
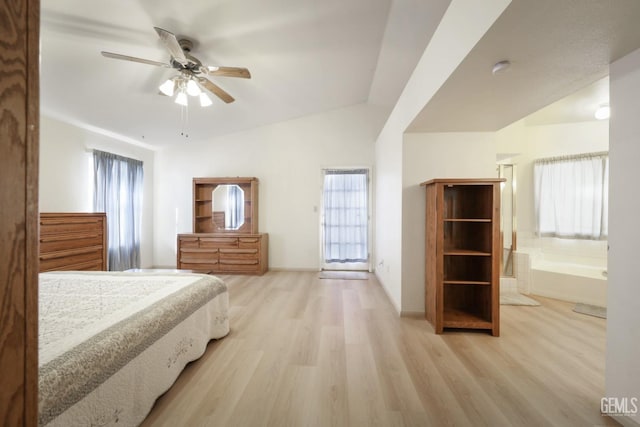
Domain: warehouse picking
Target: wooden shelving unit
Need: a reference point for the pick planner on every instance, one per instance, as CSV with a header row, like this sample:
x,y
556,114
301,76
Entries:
x,y
462,276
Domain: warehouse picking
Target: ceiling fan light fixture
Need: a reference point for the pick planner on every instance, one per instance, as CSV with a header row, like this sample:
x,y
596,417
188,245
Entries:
x,y
182,99
188,81
168,87
205,101
192,88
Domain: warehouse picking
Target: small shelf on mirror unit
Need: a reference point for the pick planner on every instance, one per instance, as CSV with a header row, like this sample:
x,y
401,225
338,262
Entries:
x,y
465,252
466,282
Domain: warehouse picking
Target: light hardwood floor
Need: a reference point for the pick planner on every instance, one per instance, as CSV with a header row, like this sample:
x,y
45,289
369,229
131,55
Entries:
x,y
304,351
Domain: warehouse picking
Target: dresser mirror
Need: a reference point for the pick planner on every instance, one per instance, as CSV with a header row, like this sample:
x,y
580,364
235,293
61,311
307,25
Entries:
x,y
225,205
228,207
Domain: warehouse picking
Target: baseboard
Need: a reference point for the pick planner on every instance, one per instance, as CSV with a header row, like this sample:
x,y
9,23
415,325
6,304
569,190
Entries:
x,y
413,314
293,269
384,288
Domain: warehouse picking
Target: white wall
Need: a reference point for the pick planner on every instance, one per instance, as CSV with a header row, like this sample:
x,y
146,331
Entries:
x,y
428,156
463,24
66,180
623,333
287,158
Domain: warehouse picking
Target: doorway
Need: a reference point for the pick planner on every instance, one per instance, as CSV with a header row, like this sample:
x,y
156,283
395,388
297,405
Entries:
x,y
345,218
507,218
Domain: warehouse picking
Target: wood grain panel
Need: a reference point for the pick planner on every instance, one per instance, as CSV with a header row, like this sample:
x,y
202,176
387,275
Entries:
x,y
19,120
73,241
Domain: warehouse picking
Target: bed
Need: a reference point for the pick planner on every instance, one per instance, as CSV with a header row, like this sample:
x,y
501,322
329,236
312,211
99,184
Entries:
x,y
111,343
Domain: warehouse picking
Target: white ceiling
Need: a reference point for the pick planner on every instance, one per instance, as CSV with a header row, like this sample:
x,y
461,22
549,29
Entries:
x,y
309,56
305,56
556,48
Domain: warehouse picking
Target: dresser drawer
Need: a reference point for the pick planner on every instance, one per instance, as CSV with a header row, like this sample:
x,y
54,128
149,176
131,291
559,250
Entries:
x,y
188,242
223,252
218,242
248,242
239,254
198,255
212,266
59,242
56,226
72,259
239,265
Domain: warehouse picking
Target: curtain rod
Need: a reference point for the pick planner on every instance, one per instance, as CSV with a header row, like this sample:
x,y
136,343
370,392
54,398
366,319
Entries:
x,y
572,157
91,150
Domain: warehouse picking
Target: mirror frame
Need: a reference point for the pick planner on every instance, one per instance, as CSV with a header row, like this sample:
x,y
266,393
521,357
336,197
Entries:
x,y
203,204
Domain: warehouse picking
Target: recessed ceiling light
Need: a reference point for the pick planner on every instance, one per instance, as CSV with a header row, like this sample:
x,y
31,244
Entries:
x,y
500,67
603,112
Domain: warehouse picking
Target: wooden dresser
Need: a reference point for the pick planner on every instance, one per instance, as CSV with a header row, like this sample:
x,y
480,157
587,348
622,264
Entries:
x,y
73,241
217,243
224,253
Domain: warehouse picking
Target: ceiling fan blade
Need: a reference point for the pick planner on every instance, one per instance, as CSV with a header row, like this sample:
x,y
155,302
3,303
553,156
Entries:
x,y
134,59
171,43
216,90
227,72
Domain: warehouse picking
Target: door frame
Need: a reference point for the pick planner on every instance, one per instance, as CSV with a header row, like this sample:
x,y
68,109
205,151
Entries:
x,y
368,266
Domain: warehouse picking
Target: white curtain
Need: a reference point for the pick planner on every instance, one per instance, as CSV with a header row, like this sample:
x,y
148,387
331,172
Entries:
x,y
345,216
572,196
118,192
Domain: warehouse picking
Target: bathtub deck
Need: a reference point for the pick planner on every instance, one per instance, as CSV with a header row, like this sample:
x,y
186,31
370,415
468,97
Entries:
x,y
309,352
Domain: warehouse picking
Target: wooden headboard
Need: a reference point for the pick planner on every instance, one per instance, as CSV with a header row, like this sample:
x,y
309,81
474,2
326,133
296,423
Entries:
x,y
73,241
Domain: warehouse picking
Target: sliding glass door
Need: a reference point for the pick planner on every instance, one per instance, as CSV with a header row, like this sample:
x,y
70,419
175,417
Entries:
x,y
345,219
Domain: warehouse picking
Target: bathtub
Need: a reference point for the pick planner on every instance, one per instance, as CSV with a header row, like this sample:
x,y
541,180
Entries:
x,y
569,281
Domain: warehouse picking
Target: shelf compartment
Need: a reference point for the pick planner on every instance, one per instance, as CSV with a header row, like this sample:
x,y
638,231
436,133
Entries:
x,y
467,236
464,320
468,201
467,269
467,306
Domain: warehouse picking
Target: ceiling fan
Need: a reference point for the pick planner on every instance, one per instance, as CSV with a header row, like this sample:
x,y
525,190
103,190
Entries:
x,y
189,80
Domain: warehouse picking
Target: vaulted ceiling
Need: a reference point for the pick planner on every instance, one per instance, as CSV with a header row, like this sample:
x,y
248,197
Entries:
x,y
305,57
309,56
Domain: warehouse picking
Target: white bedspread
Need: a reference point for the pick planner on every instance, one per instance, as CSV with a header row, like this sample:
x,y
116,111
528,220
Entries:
x,y
100,331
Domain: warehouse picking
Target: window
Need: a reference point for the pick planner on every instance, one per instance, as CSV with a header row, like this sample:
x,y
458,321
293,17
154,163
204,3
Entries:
x,y
117,190
571,196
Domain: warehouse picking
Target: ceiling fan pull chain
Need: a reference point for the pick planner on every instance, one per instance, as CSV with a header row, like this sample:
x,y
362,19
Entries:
x,y
184,118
